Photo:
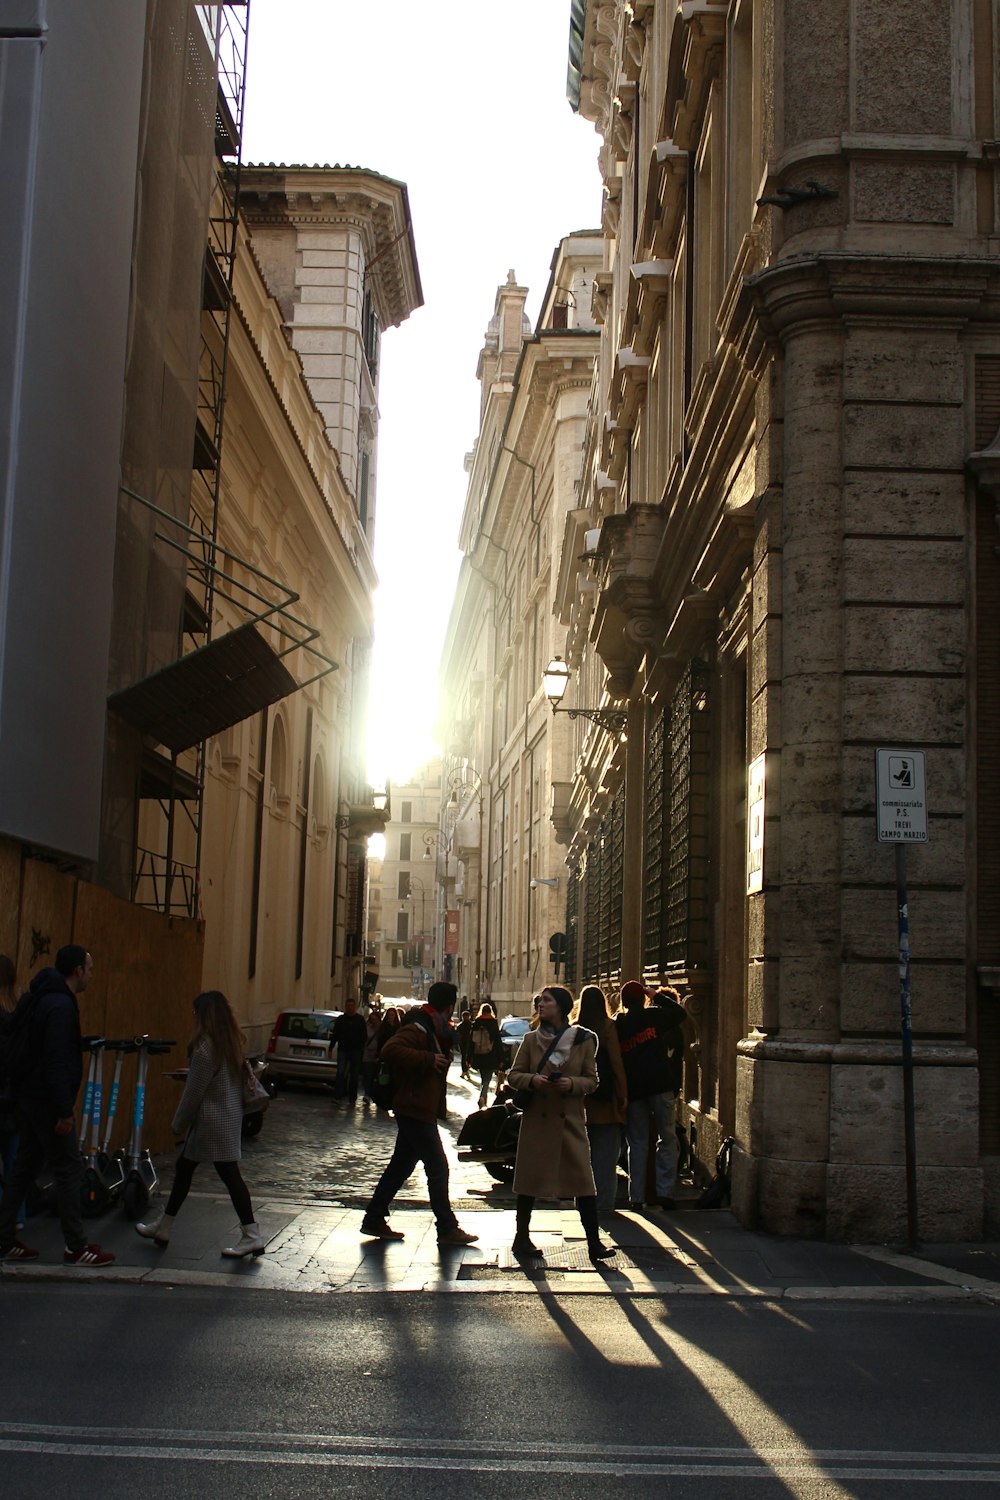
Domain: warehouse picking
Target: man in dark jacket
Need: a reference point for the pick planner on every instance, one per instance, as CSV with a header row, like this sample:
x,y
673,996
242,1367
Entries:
x,y
44,1100
652,1054
349,1035
418,1055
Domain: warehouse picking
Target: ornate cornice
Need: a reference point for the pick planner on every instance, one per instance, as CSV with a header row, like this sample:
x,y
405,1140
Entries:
x,y
317,197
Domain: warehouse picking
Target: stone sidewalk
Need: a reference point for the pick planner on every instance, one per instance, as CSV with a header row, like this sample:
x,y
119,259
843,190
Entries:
x,y
313,1167
319,1249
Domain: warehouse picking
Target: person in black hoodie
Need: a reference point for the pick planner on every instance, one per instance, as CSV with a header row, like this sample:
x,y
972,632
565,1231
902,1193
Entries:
x,y
44,1099
652,1050
349,1035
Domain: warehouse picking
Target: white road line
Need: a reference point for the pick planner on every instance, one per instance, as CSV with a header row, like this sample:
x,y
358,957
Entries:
x,y
794,1472
353,1451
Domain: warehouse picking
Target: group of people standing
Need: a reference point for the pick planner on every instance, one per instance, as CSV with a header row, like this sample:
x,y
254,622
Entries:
x,y
570,1135
594,1075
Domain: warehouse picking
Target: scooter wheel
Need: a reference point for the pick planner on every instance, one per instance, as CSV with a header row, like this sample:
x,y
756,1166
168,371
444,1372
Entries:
x,y
135,1198
501,1171
253,1124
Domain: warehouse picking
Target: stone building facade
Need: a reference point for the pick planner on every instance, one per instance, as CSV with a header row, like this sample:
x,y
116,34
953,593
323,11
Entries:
x,y
504,745
287,809
792,457
404,919
192,501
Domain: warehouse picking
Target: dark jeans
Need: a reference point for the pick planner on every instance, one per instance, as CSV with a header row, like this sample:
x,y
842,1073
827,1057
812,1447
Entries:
x,y
348,1068
231,1175
38,1143
416,1141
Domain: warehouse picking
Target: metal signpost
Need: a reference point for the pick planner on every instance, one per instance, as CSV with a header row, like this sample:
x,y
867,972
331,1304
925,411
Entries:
x,y
902,819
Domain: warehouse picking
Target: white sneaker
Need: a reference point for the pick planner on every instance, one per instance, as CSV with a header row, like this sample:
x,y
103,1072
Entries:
x,y
251,1242
157,1230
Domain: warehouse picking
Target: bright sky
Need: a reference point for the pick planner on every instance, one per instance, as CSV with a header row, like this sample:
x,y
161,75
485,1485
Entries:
x,y
466,104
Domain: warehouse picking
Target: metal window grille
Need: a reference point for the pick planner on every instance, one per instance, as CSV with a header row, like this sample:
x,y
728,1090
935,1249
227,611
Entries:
x,y
611,968
686,937
603,894
657,849
572,924
354,912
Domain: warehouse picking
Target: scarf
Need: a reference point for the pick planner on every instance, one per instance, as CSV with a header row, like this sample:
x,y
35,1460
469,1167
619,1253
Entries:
x,y
563,1047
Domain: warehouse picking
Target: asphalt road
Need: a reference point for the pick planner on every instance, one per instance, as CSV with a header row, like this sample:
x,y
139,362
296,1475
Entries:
x,y
134,1392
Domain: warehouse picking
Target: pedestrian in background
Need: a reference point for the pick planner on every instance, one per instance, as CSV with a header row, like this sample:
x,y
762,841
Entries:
x,y
652,1048
8,1124
486,1048
419,1054
210,1117
605,1107
349,1035
553,1152
390,1024
44,1097
369,1057
463,1036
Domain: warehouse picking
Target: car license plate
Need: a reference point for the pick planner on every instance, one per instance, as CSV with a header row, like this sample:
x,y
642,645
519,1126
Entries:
x,y
303,1052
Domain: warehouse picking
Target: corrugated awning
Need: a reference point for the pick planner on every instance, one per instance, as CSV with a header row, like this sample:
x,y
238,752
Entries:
x,y
206,691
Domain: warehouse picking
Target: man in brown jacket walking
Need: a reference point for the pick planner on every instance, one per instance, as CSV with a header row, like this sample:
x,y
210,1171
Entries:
x,y
418,1055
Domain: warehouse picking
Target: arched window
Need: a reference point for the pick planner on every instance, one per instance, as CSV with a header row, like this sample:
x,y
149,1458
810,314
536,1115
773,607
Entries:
x,y
279,762
320,820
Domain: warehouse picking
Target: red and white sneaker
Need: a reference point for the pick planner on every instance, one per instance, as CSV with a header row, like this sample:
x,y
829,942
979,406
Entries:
x,y
88,1255
16,1251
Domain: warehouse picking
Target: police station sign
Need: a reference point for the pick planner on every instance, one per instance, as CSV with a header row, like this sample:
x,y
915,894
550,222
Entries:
x,y
901,796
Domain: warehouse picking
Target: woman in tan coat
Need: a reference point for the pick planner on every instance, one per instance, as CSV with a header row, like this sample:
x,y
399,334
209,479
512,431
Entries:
x,y
553,1152
605,1108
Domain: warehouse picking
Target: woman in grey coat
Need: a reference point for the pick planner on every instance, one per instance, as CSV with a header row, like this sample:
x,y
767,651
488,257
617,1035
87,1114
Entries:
x,y
210,1117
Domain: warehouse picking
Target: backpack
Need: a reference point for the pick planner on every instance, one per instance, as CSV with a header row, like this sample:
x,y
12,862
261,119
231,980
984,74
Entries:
x,y
385,1084
16,1042
605,1089
482,1041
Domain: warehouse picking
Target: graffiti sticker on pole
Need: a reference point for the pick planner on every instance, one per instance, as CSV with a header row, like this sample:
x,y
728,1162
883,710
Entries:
x,y
901,796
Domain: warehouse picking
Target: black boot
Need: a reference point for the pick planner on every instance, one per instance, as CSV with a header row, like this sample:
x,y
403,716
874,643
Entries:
x,y
522,1246
587,1208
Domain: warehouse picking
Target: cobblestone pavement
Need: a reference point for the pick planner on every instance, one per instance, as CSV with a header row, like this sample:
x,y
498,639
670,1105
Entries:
x,y
314,1148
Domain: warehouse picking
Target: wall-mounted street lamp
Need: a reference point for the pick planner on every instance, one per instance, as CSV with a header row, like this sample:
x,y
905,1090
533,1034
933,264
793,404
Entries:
x,y
437,841
555,681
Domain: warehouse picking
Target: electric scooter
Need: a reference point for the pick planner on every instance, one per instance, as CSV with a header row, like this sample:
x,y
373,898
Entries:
x,y
93,1045
104,1173
140,1174
91,1115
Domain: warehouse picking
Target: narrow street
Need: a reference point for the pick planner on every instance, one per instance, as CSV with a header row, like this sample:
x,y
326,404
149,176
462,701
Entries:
x,y
202,1392
715,1363
314,1148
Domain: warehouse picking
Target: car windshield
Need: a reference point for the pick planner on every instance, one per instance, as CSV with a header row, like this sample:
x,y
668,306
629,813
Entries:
x,y
307,1025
